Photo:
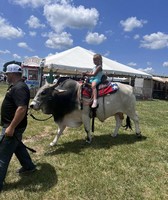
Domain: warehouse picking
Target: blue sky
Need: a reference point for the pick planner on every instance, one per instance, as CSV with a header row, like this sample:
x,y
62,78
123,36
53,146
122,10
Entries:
x,y
132,32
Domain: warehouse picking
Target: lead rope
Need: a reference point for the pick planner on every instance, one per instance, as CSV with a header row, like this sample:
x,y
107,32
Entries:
x,y
29,113
39,119
30,149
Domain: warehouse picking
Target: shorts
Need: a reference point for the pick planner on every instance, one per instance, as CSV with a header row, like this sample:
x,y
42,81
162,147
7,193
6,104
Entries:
x,y
95,79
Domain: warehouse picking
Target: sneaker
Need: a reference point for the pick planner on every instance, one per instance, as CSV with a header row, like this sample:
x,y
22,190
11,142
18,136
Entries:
x,y
25,171
94,105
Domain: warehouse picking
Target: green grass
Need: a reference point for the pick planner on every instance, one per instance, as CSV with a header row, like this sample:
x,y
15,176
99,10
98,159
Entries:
x,y
122,168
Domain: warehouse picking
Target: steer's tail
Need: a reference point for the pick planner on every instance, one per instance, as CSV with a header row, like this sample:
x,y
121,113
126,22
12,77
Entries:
x,y
128,123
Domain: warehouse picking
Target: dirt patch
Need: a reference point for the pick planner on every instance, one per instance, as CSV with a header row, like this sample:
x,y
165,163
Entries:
x,y
45,133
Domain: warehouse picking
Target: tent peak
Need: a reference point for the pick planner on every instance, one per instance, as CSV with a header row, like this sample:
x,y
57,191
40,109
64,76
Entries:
x,y
80,59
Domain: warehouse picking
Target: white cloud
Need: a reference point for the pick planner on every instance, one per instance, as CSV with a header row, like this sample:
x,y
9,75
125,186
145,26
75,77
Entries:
x,y
107,53
157,40
148,70
7,31
149,63
16,56
136,36
59,41
109,32
32,33
24,46
34,22
165,64
4,52
132,64
31,3
95,38
66,16
38,3
132,22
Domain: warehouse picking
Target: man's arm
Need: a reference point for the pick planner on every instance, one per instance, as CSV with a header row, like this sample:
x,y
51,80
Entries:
x,y
19,115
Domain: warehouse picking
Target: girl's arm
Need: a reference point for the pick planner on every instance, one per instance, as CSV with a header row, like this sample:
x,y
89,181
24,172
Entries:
x,y
98,69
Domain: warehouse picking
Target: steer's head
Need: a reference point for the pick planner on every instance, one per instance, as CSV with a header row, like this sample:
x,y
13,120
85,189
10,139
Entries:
x,y
57,100
44,98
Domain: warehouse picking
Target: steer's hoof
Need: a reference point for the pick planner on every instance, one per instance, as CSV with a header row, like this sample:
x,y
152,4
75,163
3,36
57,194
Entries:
x,y
52,144
114,135
139,135
88,140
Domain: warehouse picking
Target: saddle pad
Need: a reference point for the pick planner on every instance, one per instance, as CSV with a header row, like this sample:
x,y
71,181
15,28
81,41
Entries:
x,y
103,90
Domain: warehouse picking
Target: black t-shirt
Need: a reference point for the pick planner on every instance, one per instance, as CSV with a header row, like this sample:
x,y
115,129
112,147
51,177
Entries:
x,y
17,95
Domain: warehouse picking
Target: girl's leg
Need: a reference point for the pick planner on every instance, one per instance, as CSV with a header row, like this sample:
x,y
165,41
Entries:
x,y
94,91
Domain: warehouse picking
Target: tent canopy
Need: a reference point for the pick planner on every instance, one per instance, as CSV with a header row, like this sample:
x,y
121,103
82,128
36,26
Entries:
x,y
76,60
160,79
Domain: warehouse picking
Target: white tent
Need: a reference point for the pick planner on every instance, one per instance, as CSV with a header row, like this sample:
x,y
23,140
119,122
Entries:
x,y
76,60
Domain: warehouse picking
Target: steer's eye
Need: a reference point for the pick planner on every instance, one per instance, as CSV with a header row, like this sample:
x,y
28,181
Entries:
x,y
43,93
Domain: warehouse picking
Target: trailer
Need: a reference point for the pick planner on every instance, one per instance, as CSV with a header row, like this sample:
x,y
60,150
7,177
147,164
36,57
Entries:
x,y
32,74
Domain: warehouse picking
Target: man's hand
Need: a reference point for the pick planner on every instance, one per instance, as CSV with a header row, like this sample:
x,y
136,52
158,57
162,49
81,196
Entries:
x,y
9,131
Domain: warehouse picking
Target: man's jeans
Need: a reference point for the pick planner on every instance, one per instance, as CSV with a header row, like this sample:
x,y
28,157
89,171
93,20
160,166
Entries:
x,y
8,146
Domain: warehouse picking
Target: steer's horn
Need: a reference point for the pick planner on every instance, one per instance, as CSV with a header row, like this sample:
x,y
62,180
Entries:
x,y
53,85
60,91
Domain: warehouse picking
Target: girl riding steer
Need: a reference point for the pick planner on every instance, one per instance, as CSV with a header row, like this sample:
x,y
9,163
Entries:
x,y
95,76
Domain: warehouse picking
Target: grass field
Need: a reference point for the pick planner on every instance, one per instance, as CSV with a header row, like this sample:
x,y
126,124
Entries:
x,y
122,168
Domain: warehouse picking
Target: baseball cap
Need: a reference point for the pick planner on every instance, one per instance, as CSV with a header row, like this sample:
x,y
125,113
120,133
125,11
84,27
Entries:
x,y
13,69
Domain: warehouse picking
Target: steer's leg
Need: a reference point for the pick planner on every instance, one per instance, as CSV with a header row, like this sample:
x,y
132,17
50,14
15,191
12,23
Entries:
x,y
118,119
135,119
58,134
86,122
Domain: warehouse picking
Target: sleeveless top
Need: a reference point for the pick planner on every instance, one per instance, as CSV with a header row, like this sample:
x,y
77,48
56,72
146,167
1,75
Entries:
x,y
98,76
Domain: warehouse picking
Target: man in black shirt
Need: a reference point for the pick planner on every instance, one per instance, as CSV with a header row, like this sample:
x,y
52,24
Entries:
x,y
14,121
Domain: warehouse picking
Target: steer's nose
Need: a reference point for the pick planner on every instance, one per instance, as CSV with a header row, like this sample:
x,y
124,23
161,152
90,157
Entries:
x,y
31,106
